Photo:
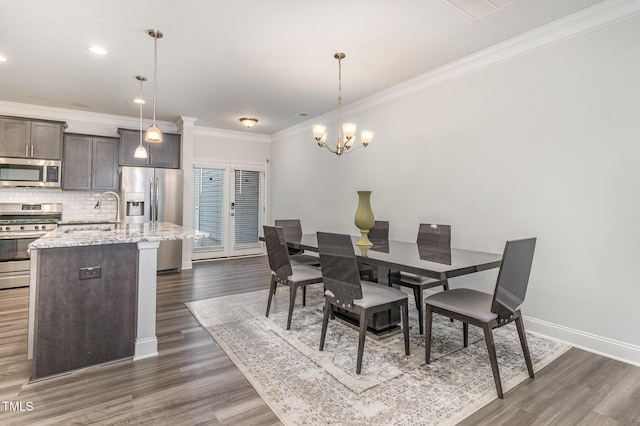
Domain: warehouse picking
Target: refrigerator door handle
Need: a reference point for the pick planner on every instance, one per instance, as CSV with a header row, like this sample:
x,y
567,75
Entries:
x,y
151,199
156,198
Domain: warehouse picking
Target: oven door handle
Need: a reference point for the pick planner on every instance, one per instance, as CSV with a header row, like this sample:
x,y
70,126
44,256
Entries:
x,y
21,235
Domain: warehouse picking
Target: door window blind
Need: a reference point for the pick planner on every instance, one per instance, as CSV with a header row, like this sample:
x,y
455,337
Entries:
x,y
209,206
247,208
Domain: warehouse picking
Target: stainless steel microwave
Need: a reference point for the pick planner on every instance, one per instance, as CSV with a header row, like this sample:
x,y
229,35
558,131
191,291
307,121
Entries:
x,y
30,172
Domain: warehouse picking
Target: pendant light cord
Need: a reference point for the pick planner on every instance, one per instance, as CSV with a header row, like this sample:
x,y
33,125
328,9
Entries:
x,y
155,73
339,103
141,103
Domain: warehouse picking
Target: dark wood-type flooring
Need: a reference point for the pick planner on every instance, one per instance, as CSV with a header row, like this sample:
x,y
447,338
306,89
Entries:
x,y
192,381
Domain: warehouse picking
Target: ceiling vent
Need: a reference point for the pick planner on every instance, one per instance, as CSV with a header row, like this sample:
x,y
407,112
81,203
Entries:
x,y
477,9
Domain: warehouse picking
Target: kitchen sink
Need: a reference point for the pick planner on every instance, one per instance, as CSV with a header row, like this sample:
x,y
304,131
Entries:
x,y
88,229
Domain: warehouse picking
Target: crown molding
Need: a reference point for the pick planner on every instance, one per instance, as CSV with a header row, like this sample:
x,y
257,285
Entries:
x,y
591,19
63,114
588,20
184,121
231,134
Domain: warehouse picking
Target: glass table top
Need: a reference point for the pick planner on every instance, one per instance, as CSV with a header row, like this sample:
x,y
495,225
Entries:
x,y
430,261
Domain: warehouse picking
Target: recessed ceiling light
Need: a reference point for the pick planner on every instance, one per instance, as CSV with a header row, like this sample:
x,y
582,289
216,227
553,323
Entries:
x,y
3,59
97,50
139,101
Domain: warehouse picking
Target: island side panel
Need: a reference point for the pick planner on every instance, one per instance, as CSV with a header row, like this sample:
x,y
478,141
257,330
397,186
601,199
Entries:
x,y
88,321
146,340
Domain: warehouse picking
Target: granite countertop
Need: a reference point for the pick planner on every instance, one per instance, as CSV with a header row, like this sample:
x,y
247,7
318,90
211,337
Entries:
x,y
108,233
85,222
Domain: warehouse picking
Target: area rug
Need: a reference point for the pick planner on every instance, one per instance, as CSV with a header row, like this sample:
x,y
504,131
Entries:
x,y
304,386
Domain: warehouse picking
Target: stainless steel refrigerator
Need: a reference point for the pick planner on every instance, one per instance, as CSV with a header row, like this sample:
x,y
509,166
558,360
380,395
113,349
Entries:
x,y
152,195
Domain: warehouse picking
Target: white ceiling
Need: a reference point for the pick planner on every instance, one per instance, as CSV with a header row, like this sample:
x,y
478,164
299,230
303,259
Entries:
x,y
221,60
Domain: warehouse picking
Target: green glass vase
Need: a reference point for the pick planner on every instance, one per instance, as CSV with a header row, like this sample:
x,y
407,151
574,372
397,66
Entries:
x,y
364,219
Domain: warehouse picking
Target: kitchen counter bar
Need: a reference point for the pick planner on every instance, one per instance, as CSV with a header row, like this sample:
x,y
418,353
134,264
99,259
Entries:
x,y
146,236
99,234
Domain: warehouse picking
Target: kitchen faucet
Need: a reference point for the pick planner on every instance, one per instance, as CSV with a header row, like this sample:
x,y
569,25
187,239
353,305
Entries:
x,y
117,197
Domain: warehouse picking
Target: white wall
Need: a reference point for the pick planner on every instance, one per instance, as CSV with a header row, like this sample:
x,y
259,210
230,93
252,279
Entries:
x,y
227,146
546,144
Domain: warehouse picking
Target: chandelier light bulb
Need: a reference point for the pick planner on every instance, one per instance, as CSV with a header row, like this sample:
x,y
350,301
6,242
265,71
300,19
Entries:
x,y
366,136
319,131
349,130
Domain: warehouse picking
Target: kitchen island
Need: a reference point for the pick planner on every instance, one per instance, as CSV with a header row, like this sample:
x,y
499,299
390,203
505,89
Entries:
x,y
93,294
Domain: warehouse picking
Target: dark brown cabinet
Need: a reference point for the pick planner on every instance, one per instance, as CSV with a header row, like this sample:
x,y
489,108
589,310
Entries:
x,y
25,138
90,162
85,307
164,154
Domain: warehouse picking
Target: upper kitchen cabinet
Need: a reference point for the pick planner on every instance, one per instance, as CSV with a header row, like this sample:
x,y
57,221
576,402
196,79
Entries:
x,y
90,162
164,154
25,138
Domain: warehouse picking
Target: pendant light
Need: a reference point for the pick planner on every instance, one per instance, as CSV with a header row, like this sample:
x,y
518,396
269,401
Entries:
x,y
153,134
141,151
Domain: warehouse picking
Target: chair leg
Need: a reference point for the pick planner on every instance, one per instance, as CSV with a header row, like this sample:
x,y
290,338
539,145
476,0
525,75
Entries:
x,y
445,287
491,348
418,295
428,316
525,346
272,290
304,296
292,301
405,325
363,335
325,321
465,334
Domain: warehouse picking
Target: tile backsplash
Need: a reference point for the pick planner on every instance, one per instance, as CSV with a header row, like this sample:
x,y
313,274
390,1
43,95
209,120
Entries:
x,y
76,205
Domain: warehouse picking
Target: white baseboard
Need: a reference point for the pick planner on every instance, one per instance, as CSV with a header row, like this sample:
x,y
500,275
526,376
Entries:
x,y
589,342
186,265
604,346
145,348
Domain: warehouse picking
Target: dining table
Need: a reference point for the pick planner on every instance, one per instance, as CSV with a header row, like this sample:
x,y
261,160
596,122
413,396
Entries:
x,y
391,256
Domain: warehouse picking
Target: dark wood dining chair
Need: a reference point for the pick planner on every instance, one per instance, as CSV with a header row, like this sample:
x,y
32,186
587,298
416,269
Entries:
x,y
489,311
292,229
378,234
430,237
345,290
283,272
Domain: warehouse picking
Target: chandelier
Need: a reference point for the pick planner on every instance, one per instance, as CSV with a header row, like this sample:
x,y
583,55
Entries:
x,y
346,131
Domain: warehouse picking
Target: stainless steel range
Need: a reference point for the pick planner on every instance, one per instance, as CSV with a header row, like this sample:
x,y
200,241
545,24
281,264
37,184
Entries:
x,y
20,224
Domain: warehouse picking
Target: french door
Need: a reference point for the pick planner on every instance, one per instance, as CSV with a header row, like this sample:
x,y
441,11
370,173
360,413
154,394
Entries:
x,y
229,204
